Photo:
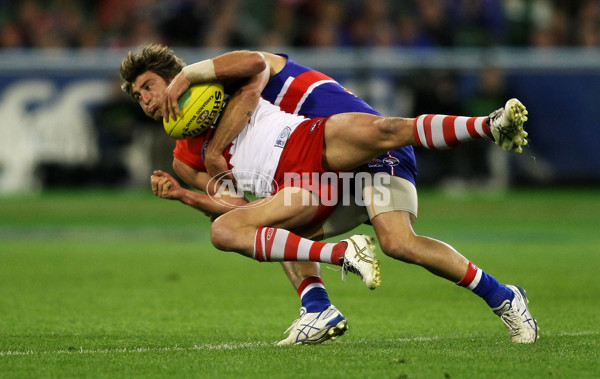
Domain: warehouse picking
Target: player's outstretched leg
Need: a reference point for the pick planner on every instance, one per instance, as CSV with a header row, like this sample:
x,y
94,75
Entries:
x,y
359,258
521,325
316,327
506,125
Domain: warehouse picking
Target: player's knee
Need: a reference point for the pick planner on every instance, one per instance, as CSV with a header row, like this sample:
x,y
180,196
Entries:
x,y
221,235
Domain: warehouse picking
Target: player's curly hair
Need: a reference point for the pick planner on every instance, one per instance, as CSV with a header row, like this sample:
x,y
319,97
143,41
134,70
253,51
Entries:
x,y
154,57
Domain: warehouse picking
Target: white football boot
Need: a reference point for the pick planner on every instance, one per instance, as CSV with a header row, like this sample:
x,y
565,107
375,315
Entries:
x,y
506,125
359,259
315,328
521,325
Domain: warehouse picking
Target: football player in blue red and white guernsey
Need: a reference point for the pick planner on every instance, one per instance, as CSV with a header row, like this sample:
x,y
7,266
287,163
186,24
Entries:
x,y
299,89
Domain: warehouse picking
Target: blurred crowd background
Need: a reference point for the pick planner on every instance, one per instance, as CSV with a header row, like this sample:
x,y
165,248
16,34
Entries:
x,y
53,135
299,23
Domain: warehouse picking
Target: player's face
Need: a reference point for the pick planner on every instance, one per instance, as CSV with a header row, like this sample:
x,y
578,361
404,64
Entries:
x,y
149,91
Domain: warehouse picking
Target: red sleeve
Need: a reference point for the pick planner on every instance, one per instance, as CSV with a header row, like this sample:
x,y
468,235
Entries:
x,y
191,151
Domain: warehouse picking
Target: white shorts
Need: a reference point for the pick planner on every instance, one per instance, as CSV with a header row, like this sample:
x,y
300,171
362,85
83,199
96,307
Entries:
x,y
402,195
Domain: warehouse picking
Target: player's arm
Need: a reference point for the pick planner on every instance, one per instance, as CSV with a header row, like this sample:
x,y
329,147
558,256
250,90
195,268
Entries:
x,y
252,69
167,187
240,107
225,68
200,180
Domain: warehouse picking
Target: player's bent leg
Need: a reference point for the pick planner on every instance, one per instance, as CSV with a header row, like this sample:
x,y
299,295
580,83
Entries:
x,y
398,240
393,226
242,230
236,229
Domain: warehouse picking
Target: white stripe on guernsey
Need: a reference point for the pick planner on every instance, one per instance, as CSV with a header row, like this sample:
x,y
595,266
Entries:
x,y
421,131
308,91
278,247
326,253
437,131
479,125
460,129
304,249
476,280
284,89
310,287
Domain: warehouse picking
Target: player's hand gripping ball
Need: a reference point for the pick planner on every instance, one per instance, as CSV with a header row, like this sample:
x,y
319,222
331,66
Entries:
x,y
199,106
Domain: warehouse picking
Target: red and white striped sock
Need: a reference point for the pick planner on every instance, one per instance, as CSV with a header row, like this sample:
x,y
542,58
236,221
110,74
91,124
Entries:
x,y
277,245
437,131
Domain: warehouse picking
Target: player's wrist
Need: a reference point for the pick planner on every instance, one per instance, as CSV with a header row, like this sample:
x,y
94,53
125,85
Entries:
x,y
203,71
213,153
180,80
185,197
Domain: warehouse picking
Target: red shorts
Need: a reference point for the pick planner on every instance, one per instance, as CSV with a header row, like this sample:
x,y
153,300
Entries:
x,y
300,165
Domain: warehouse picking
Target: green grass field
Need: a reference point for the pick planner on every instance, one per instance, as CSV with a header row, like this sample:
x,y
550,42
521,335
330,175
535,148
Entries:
x,y
120,284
